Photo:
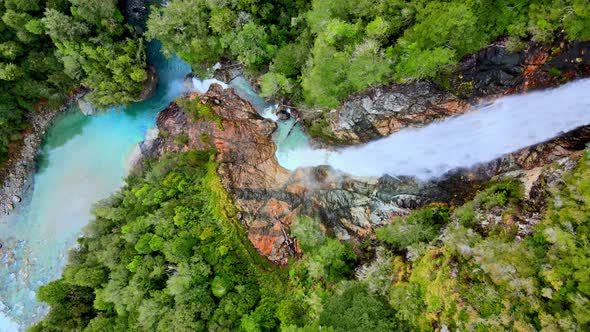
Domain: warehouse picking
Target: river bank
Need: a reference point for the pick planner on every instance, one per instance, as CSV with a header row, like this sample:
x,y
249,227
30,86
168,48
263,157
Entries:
x,y
80,160
17,175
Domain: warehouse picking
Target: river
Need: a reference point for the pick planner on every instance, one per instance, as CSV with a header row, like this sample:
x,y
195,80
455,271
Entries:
x,y
81,161
487,132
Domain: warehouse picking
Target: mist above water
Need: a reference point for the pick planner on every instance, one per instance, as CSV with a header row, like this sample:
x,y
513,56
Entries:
x,y
506,125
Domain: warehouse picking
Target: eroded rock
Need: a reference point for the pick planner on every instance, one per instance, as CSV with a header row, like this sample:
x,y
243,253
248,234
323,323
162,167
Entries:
x,y
381,111
270,198
150,85
487,74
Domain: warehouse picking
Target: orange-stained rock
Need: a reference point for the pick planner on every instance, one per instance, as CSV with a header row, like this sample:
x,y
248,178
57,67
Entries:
x,y
487,74
270,198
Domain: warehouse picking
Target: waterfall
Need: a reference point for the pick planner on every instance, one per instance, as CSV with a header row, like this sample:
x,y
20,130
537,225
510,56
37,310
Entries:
x,y
488,132
203,86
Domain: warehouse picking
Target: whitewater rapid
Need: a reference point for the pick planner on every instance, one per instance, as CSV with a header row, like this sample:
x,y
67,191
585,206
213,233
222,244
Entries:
x,y
488,132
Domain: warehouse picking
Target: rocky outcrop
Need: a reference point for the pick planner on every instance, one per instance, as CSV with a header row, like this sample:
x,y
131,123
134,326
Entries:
x,y
150,84
137,11
86,107
241,137
494,71
381,111
246,155
487,74
351,207
270,198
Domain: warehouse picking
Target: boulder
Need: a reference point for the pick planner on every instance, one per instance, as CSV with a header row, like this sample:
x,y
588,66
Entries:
x,y
86,107
283,115
150,85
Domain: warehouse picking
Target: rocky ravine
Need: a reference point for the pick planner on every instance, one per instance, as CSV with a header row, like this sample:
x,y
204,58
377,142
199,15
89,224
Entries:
x,y
491,72
269,197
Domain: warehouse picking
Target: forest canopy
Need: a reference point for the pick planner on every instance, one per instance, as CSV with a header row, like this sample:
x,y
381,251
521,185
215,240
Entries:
x,y
49,48
320,51
317,52
167,254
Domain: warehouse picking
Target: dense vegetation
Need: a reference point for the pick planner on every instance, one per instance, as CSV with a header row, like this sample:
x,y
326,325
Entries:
x,y
49,47
320,51
165,254
162,255
315,51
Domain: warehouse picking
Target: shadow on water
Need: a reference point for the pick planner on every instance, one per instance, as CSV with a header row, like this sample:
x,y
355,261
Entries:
x,y
65,128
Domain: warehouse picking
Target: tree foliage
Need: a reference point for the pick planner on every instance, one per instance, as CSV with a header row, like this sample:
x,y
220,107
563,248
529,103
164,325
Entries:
x,y
158,257
323,50
165,254
47,48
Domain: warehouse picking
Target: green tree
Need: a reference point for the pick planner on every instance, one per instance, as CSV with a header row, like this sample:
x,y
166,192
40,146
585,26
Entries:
x,y
93,11
182,27
10,72
62,27
420,226
353,308
250,45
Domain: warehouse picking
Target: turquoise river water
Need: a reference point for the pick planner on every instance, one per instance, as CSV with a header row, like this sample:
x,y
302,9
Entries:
x,y
82,161
84,158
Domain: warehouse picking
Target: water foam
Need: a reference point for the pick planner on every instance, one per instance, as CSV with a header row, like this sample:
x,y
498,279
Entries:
x,y
6,324
506,125
202,86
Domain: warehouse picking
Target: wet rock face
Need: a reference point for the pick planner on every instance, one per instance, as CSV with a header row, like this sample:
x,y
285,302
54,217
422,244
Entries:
x,y
381,111
487,74
150,84
270,198
137,11
86,108
352,207
242,138
491,71
247,165
494,71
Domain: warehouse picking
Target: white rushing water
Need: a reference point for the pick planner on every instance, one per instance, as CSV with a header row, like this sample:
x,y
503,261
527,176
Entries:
x,y
506,125
204,85
289,135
